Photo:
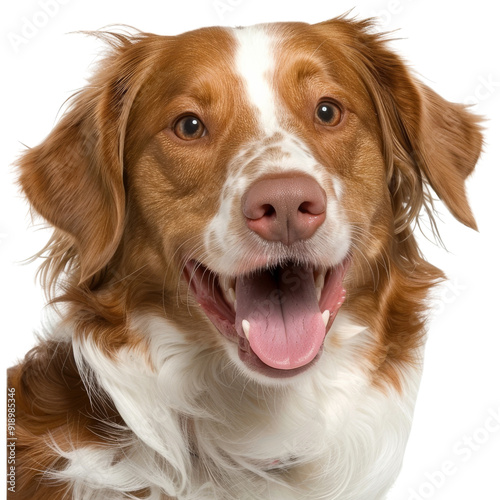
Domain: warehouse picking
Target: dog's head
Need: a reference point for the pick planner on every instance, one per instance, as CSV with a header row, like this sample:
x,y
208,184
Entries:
x,y
268,168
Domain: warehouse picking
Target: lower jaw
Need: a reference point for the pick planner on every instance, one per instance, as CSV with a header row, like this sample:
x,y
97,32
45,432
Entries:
x,y
248,357
253,362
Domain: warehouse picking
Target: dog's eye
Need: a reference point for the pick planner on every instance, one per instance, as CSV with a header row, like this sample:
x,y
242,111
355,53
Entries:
x,y
189,128
328,113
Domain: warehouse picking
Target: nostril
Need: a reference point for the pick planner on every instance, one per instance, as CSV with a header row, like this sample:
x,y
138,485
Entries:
x,y
307,207
269,210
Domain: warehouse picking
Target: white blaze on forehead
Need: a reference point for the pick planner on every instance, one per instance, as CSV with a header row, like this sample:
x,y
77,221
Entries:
x,y
255,63
230,248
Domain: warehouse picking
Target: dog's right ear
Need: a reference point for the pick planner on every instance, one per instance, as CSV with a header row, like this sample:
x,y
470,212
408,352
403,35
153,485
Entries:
x,y
74,178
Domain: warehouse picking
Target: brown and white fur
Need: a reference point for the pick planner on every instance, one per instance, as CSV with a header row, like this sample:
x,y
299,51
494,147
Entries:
x,y
155,180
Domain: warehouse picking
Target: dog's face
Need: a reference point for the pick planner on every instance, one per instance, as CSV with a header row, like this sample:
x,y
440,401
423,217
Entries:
x,y
262,168
273,170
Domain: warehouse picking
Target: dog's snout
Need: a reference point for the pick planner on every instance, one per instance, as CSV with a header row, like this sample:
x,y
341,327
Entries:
x,y
285,208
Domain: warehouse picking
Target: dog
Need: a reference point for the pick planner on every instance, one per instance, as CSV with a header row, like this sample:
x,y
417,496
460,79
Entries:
x,y
241,298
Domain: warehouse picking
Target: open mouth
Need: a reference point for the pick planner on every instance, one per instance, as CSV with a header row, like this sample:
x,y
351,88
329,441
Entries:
x,y
278,316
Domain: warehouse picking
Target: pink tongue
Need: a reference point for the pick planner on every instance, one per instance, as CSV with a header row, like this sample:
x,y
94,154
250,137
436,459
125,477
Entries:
x,y
286,327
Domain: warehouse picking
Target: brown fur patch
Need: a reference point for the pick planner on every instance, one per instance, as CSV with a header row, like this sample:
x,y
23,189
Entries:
x,y
53,406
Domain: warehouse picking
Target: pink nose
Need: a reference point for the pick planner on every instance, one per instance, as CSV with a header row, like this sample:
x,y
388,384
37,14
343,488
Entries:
x,y
285,209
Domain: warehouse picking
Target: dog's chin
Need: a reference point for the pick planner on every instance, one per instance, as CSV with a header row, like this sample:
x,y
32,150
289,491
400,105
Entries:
x,y
275,319
262,374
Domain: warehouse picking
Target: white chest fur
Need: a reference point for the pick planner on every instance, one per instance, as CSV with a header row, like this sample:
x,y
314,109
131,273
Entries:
x,y
199,429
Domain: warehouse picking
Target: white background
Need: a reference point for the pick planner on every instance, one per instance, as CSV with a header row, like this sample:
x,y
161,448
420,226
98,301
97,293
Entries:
x,y
453,46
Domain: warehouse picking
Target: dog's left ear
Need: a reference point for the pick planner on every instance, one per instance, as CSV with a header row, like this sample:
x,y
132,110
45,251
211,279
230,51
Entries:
x,y
439,141
445,140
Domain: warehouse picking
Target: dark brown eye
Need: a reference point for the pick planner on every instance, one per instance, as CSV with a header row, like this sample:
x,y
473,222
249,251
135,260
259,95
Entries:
x,y
189,128
328,113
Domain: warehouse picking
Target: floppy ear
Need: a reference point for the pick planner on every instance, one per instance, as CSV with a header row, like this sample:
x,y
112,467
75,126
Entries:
x,y
74,178
447,142
433,140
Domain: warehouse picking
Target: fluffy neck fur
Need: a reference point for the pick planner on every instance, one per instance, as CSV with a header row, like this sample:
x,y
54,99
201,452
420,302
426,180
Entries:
x,y
196,428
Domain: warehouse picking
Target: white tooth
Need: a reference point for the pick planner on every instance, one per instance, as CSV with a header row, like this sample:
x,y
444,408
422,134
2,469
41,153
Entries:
x,y
320,281
326,316
232,295
319,284
246,328
226,282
